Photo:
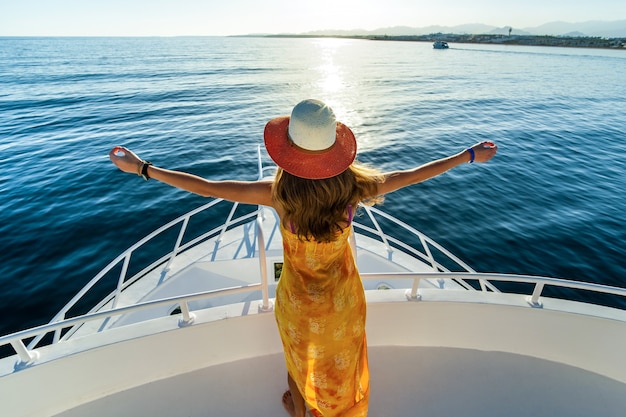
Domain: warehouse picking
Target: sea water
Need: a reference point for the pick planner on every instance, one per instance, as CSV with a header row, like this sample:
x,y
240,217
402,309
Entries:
x,y
551,203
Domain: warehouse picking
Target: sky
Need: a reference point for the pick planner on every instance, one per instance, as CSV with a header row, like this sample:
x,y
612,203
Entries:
x,y
239,17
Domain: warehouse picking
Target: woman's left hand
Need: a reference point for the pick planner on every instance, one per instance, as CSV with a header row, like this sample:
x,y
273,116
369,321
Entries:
x,y
484,151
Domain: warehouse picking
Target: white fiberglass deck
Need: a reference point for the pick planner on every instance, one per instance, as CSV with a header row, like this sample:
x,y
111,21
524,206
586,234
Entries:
x,y
405,382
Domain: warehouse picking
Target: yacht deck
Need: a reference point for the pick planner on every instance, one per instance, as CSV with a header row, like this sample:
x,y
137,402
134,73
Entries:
x,y
405,381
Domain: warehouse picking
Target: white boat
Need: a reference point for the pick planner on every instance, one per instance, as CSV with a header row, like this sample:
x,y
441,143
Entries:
x,y
440,45
192,333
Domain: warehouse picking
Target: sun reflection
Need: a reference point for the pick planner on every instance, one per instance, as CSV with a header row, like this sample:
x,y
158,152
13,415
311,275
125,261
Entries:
x,y
335,81
331,79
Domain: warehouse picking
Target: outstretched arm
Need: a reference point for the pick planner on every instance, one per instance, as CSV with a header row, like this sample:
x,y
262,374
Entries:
x,y
395,180
249,192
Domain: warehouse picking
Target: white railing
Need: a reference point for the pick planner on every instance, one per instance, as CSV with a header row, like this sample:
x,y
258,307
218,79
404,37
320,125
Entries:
x,y
28,356
534,298
123,282
425,244
249,250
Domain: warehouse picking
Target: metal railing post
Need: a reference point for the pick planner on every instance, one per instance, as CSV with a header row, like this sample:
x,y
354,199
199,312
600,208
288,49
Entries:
x,y
414,295
120,281
188,317
26,356
265,305
179,240
533,300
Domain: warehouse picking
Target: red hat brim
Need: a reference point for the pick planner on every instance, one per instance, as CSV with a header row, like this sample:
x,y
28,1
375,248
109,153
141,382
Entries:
x,y
312,165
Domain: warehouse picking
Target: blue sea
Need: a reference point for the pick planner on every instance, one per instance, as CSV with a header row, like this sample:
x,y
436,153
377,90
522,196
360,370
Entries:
x,y
551,203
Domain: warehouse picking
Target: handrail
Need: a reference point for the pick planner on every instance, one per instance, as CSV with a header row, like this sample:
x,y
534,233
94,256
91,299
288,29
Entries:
x,y
26,355
125,256
132,249
425,242
124,281
539,281
388,241
421,235
107,314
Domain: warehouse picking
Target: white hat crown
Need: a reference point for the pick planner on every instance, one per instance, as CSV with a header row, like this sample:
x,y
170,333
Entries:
x,y
312,125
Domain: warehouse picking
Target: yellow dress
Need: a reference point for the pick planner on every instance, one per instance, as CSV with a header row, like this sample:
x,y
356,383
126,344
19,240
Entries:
x,y
320,311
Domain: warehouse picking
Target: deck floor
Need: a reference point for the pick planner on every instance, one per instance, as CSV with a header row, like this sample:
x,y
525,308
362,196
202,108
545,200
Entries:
x,y
405,381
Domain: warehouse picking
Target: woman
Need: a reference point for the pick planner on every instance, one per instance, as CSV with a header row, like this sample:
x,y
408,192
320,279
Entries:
x,y
320,302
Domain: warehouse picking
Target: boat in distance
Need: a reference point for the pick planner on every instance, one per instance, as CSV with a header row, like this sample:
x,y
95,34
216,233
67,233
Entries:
x,y
188,330
440,45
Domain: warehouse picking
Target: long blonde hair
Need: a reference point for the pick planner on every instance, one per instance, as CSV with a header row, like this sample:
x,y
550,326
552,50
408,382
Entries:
x,y
317,209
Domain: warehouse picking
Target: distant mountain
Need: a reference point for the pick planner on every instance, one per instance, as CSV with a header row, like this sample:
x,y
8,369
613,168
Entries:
x,y
613,29
505,31
406,30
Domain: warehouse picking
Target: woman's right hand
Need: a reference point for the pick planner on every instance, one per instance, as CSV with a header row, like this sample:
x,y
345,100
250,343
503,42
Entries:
x,y
126,160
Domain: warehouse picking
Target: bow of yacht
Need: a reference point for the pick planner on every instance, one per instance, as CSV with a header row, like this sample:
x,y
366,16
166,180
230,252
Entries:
x,y
188,330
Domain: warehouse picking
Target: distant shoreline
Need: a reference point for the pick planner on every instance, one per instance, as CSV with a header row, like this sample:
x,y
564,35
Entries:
x,y
529,40
594,42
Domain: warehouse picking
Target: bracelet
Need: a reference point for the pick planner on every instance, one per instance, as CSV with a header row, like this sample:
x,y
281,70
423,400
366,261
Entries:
x,y
143,172
472,155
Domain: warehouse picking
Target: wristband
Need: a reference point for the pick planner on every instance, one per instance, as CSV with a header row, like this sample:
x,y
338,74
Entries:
x,y
472,155
144,170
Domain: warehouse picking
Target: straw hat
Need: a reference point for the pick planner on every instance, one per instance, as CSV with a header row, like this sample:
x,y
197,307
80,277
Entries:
x,y
311,143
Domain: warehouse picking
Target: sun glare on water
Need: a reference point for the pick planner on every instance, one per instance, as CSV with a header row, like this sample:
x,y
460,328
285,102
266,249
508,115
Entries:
x,y
335,75
330,79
